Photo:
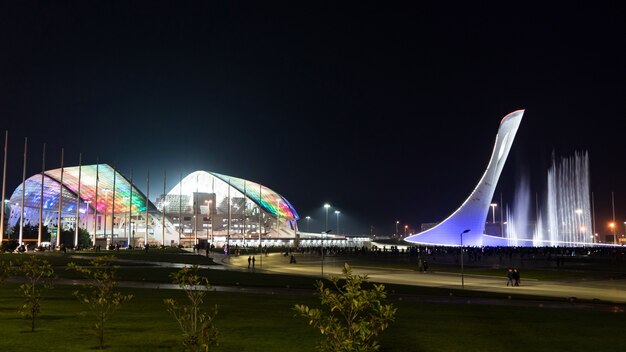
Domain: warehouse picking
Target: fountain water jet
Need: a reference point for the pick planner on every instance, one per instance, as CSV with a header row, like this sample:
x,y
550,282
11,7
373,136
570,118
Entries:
x,y
568,210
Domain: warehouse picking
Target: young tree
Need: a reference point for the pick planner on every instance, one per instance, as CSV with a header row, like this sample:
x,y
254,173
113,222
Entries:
x,y
84,239
199,334
6,270
102,298
354,316
39,275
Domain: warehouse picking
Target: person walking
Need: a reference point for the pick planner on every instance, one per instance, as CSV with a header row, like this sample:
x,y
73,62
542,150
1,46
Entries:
x,y
516,277
249,260
509,277
253,260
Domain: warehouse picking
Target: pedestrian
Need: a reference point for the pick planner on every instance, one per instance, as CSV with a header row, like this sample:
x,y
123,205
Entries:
x,y
249,260
516,277
253,260
509,277
425,266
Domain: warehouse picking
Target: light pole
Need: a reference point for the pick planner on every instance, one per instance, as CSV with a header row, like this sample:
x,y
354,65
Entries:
x,y
209,203
396,234
462,269
405,228
308,219
86,217
612,226
326,206
337,212
493,212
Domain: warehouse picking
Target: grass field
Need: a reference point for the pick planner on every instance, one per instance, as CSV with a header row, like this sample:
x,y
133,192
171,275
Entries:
x,y
266,322
254,322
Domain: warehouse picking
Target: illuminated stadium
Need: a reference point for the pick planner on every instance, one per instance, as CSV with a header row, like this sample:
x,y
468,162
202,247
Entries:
x,y
203,207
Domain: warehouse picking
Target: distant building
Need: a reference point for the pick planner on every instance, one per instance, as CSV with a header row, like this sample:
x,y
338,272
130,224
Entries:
x,y
204,206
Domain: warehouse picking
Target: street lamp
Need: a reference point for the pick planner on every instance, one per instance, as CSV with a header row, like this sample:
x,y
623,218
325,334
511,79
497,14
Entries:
x,y
337,212
612,226
493,212
326,206
405,228
396,234
462,269
308,219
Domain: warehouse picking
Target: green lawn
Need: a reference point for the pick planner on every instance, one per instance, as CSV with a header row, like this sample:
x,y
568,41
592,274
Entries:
x,y
250,322
168,255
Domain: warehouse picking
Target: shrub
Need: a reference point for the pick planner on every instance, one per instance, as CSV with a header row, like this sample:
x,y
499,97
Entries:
x,y
353,316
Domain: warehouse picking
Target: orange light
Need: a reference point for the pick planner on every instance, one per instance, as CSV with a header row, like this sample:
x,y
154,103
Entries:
x,y
612,225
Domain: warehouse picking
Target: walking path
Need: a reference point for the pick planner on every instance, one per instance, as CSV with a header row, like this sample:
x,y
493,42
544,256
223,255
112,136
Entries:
x,y
604,290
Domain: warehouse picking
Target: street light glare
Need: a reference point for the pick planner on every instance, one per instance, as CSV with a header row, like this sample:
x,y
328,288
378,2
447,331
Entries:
x,y
337,212
326,205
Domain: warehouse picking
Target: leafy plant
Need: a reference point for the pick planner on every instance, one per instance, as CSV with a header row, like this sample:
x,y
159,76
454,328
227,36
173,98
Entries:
x,y
102,298
199,334
6,270
39,274
353,316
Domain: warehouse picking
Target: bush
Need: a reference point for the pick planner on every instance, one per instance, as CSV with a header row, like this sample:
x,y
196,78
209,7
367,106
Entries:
x,y
353,317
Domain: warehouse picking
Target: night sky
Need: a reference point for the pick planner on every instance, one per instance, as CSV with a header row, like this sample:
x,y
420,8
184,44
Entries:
x,y
388,112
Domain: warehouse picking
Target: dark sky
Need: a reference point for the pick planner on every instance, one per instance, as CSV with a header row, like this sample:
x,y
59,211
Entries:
x,y
387,111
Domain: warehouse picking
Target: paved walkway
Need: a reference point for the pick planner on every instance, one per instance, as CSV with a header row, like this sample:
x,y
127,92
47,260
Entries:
x,y
310,265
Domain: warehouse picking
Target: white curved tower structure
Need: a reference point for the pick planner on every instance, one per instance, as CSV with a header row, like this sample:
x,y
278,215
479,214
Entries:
x,y
472,214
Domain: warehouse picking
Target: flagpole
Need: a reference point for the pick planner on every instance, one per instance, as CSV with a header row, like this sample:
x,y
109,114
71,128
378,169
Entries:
x,y
95,206
130,208
180,207
145,240
113,204
43,169
4,180
163,205
23,192
59,227
76,221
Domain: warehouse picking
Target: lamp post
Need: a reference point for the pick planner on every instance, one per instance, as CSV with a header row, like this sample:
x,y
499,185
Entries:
x,y
86,217
612,226
462,269
337,212
396,234
308,219
326,206
493,212
209,203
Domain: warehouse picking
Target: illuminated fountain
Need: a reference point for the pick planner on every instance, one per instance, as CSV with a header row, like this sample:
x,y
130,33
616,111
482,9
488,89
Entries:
x,y
567,220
